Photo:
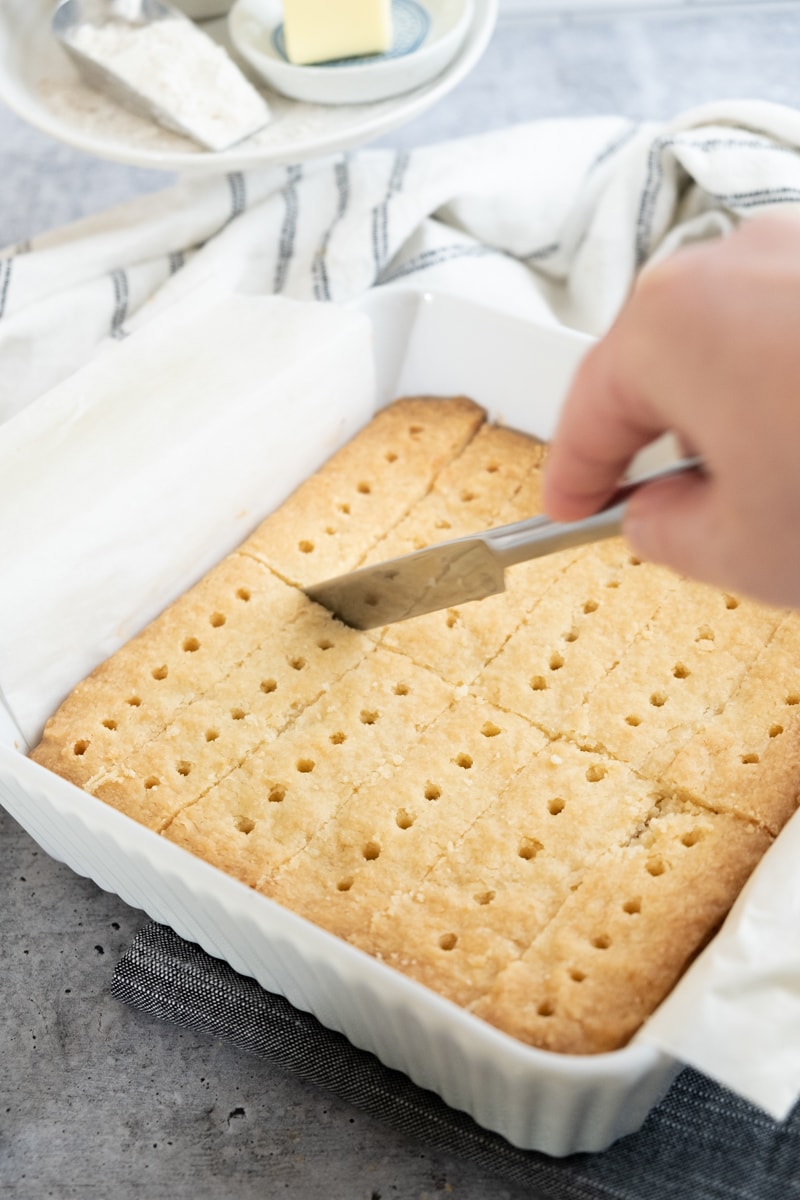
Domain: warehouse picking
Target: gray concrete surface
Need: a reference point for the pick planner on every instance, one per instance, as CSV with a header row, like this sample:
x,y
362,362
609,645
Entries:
x,y
97,1101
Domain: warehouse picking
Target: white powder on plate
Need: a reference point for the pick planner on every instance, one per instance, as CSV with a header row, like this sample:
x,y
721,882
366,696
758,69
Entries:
x,y
107,126
183,72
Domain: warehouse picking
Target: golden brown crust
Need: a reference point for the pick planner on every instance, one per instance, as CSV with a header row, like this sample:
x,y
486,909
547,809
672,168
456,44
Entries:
x,y
541,805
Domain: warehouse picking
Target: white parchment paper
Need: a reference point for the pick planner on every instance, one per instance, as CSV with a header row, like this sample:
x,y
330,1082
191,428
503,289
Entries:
x,y
124,484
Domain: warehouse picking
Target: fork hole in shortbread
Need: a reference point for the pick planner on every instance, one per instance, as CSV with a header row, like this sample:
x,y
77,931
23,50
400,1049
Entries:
x,y
528,848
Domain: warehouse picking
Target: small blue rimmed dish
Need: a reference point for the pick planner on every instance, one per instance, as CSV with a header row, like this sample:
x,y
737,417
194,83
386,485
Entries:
x,y
425,40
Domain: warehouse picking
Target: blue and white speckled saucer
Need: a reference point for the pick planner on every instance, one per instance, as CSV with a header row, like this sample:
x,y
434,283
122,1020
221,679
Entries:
x,y
425,40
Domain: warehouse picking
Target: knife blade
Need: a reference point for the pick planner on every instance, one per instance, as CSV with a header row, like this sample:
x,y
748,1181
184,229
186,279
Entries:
x,y
469,568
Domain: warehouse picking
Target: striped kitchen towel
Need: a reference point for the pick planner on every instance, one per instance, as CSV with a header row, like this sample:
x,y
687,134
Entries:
x,y
701,1141
549,220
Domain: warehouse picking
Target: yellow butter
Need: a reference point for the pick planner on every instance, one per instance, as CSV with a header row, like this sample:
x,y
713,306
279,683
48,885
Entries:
x,y
318,31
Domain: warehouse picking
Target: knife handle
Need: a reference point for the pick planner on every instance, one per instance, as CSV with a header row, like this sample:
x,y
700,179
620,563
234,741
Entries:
x,y
536,535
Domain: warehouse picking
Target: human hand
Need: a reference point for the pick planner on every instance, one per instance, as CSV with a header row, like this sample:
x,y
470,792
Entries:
x,y
707,347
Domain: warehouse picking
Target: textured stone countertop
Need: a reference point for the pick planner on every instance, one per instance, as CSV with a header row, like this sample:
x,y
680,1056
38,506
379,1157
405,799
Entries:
x,y
99,1101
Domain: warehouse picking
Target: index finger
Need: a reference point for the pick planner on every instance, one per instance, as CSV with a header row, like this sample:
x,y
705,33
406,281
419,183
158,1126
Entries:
x,y
599,430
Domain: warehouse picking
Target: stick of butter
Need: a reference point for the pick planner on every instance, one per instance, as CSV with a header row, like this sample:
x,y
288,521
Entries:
x,y
318,31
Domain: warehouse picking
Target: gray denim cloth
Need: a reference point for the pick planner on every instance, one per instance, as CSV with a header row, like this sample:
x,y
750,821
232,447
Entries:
x,y
701,1142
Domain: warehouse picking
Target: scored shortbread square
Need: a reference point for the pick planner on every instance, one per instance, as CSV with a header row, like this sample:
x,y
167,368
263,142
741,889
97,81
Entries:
x,y
620,942
674,678
391,832
208,737
577,630
500,883
132,697
271,805
327,526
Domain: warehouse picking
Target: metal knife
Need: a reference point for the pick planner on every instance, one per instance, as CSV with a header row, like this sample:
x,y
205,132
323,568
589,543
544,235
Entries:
x,y
468,568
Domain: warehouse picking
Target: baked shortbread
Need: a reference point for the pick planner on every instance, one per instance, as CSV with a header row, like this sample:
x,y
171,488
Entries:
x,y
540,805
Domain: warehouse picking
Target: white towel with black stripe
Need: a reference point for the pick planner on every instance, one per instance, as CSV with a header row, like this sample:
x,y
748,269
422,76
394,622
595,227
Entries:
x,y
550,220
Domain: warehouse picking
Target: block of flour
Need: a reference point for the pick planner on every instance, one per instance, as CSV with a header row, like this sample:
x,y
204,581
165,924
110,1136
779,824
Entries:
x,y
169,69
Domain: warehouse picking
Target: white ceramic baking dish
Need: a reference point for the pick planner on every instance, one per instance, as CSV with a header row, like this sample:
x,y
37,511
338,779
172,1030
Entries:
x,y
554,1103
